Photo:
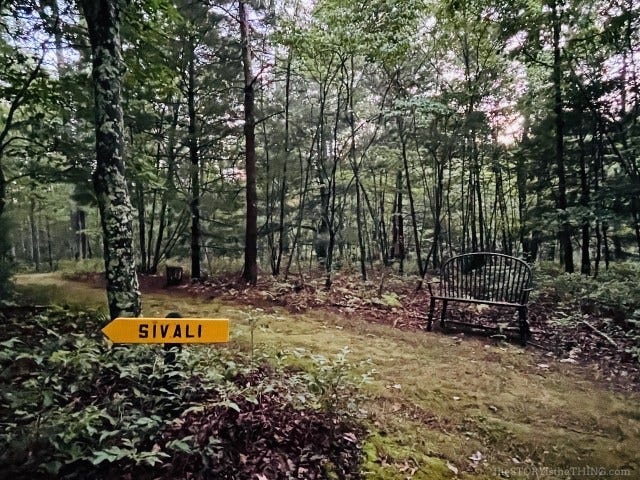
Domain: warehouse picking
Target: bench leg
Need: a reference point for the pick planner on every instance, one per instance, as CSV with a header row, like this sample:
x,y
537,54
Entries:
x,y
524,326
443,313
432,306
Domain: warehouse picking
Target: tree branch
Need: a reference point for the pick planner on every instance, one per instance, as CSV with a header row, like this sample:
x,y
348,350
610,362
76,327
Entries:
x,y
17,102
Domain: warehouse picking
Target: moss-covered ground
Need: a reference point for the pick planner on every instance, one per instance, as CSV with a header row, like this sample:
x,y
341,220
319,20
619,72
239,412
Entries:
x,y
438,406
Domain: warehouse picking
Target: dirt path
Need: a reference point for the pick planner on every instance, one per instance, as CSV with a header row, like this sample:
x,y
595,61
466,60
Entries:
x,y
440,406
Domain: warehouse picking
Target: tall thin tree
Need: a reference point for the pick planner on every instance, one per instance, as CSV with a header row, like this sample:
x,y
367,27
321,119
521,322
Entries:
x,y
250,272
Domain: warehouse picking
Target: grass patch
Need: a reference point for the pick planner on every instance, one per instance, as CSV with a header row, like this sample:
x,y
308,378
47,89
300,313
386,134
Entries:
x,y
435,401
50,289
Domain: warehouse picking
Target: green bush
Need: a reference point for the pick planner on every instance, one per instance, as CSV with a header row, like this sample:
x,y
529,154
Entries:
x,y
77,269
617,287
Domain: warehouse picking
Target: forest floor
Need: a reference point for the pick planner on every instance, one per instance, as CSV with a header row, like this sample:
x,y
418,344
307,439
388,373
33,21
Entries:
x,y
452,405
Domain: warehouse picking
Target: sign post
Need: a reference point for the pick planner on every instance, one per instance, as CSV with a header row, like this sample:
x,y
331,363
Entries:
x,y
168,330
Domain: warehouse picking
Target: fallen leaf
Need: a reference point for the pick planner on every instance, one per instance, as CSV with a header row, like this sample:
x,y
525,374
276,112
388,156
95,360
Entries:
x,y
476,457
452,468
568,360
350,437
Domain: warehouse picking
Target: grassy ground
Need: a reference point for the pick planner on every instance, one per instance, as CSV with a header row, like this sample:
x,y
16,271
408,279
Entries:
x,y
439,406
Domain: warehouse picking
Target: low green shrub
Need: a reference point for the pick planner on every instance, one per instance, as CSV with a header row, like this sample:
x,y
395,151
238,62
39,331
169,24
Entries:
x,y
74,406
616,288
77,269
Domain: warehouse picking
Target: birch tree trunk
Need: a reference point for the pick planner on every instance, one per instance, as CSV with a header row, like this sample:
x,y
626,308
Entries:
x,y
103,21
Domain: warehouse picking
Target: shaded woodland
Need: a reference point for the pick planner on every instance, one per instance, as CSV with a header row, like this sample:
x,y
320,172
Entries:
x,y
331,134
306,165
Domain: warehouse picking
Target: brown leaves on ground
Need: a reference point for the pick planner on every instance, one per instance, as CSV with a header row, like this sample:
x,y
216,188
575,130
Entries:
x,y
268,438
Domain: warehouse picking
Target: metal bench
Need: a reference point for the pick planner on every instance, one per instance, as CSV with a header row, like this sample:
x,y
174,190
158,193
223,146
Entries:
x,y
484,278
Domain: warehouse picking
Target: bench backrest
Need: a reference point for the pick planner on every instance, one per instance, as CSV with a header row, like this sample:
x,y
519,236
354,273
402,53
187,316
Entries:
x,y
486,276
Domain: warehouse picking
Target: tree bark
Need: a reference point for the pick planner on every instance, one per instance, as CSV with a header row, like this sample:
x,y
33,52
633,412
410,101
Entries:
x,y
283,186
83,240
566,248
398,225
35,234
103,20
142,229
49,243
3,188
250,272
585,264
195,168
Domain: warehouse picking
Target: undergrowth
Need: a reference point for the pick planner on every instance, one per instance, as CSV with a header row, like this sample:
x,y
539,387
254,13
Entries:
x,y
77,269
613,297
73,406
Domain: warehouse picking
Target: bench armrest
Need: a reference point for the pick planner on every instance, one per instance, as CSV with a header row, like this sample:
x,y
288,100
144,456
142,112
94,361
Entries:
x,y
429,283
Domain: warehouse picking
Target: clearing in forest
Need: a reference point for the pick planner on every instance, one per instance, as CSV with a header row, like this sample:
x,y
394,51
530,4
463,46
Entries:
x,y
438,406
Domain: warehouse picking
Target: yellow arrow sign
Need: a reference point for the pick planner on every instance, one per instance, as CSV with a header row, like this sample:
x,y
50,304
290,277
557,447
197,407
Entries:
x,y
167,330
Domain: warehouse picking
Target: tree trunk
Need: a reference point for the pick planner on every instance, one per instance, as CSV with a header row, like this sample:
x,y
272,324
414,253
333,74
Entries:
x,y
35,236
477,192
49,243
303,196
169,190
636,220
398,225
356,168
333,222
116,213
142,231
605,244
437,214
596,166
250,273
566,248
596,268
283,185
195,168
412,209
585,264
384,240
3,188
83,239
